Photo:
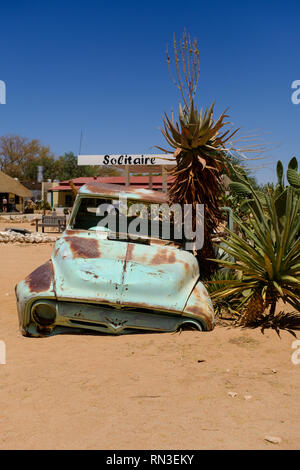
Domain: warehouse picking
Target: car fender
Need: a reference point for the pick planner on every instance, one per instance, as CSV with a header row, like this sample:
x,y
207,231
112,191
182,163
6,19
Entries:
x,y
37,285
199,306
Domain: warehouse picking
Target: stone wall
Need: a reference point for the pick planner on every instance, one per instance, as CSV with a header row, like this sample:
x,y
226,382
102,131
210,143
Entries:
x,y
14,237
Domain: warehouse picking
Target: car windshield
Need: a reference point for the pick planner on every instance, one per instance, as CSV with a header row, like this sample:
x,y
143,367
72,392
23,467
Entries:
x,y
141,220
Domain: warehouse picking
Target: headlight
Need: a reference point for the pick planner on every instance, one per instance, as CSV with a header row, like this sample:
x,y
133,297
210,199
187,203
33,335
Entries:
x,y
44,313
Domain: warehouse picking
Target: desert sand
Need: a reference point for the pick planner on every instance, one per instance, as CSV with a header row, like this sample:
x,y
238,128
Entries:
x,y
225,389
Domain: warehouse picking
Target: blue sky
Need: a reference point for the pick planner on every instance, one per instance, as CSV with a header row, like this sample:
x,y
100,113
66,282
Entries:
x,y
100,67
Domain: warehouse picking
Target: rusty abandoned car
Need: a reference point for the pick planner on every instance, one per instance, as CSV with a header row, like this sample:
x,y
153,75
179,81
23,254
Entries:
x,y
105,280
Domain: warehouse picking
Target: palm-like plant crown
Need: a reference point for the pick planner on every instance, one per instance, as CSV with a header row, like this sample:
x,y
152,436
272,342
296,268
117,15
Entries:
x,y
201,158
199,144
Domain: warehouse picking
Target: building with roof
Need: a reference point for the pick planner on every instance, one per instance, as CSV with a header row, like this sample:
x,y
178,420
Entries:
x,y
13,192
62,194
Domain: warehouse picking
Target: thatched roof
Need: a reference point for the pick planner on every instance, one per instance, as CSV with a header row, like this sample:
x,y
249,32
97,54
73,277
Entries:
x,y
10,185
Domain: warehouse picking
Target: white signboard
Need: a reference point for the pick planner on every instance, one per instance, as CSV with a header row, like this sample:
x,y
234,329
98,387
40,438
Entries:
x,y
126,159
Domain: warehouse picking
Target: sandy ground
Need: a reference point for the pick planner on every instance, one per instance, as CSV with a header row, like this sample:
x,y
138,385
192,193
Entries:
x,y
150,391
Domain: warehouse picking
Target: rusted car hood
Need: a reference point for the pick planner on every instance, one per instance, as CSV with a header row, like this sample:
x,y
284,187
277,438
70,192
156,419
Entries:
x,y
88,267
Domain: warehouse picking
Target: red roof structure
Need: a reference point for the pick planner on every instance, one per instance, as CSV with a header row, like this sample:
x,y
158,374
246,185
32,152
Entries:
x,y
135,181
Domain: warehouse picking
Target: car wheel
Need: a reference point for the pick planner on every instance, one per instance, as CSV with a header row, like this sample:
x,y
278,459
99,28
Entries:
x,y
189,326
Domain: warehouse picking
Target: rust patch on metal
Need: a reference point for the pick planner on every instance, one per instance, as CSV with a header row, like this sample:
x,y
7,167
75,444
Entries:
x,y
74,232
142,259
196,293
200,294
205,294
128,257
40,279
163,256
114,190
92,274
186,267
129,251
56,252
194,310
83,248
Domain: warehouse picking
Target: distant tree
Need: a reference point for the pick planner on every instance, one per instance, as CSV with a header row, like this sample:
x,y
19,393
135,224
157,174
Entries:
x,y
108,171
48,164
18,156
66,168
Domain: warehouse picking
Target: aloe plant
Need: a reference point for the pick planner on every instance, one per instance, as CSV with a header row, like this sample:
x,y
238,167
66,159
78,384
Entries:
x,y
228,305
199,144
267,257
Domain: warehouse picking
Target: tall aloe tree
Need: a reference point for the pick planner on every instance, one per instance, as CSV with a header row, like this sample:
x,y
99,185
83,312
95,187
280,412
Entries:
x,y
200,144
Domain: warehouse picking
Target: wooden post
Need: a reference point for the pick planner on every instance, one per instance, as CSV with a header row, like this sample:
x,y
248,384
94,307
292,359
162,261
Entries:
x,y
164,180
127,176
150,180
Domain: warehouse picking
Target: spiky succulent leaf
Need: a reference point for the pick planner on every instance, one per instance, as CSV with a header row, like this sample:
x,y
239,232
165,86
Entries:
x,y
199,144
293,164
268,255
240,188
280,171
293,178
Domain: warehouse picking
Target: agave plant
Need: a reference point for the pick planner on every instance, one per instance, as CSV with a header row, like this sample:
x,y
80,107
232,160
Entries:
x,y
267,257
226,306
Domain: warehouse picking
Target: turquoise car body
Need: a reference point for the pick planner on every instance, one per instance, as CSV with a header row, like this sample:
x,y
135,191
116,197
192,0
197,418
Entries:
x,y
93,283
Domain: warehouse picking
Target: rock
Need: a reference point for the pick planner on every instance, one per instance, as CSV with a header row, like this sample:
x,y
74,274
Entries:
x,y
232,394
247,397
14,237
273,439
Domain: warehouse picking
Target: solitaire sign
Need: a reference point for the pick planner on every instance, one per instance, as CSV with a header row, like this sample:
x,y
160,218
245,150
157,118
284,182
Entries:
x,y
126,159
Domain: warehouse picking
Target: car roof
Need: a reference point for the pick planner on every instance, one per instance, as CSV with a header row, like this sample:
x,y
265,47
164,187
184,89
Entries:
x,y
130,192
